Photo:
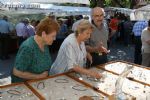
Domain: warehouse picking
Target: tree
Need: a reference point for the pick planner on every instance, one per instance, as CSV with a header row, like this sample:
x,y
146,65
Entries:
x,y
100,3
114,3
94,3
133,3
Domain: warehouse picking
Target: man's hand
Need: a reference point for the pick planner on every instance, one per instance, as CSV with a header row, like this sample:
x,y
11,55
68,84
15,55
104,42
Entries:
x,y
102,49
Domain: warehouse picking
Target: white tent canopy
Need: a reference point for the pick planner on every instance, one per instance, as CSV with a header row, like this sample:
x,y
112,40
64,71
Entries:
x,y
111,10
50,8
49,1
142,13
26,7
144,8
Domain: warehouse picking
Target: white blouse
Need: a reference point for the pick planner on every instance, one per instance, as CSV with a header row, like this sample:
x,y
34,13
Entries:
x,y
70,54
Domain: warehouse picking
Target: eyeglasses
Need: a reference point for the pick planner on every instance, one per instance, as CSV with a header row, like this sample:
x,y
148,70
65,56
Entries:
x,y
102,15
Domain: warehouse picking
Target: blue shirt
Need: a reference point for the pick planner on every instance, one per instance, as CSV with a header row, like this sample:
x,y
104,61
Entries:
x,y
31,30
138,27
5,27
22,30
63,30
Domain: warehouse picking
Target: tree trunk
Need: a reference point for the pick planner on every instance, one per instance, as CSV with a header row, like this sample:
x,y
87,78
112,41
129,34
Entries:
x,y
133,3
118,3
100,3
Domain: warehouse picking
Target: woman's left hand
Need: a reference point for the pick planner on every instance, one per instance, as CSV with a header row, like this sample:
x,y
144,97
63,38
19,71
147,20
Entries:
x,y
96,75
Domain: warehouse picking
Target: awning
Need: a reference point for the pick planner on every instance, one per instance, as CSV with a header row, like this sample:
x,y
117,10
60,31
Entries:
x,y
49,1
142,13
112,10
49,8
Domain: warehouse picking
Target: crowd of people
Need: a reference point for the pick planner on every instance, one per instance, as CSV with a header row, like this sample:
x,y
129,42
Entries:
x,y
128,31
87,42
23,29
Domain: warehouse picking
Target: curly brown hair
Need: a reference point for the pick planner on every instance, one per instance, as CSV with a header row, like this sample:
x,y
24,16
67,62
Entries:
x,y
48,25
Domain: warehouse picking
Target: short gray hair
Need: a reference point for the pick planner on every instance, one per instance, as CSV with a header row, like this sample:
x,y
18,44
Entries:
x,y
82,26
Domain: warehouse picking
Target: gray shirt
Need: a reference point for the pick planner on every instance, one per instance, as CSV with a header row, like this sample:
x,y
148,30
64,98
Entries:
x,y
99,36
69,55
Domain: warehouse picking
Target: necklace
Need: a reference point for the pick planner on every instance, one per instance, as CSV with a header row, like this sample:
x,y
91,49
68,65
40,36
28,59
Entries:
x,y
93,79
41,85
62,81
14,92
79,88
78,75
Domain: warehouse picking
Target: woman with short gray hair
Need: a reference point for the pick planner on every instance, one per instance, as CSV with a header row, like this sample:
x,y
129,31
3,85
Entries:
x,y
72,53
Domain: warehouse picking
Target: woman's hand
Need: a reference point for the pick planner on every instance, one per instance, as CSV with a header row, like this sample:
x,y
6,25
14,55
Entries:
x,y
96,75
43,75
28,75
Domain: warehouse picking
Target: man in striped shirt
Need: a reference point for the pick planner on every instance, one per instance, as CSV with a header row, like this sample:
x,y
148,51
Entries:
x,y
137,30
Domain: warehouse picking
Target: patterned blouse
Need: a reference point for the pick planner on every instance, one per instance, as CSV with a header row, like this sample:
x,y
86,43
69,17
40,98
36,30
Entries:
x,y
31,59
70,54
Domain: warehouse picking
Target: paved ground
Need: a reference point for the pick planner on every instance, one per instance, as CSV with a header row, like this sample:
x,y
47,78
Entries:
x,y
118,52
6,66
121,52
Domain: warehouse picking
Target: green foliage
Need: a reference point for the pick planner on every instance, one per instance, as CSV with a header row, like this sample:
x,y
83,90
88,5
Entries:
x,y
112,3
126,3
108,3
93,3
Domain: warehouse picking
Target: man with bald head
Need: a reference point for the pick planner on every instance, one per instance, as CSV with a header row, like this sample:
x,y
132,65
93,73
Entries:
x,y
97,44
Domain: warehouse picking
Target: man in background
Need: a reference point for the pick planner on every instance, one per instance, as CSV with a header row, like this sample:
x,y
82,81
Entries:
x,y
5,29
137,30
145,37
